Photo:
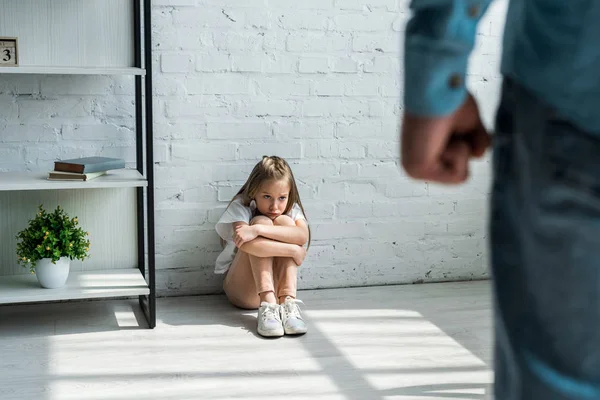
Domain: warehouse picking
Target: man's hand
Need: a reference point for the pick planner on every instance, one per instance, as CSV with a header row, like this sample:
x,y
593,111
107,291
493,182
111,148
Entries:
x,y
438,149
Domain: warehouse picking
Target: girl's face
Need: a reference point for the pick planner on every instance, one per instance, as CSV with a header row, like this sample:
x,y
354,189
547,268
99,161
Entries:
x,y
272,198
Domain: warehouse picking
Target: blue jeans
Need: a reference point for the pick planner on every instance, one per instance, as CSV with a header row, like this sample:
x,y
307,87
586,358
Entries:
x,y
545,252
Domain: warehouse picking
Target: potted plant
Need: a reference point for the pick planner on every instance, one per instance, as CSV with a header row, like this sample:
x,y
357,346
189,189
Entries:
x,y
48,245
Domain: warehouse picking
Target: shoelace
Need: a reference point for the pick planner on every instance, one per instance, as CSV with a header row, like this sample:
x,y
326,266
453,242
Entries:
x,y
291,308
271,313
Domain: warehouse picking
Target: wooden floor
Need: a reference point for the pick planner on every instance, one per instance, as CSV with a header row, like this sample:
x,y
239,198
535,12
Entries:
x,y
397,342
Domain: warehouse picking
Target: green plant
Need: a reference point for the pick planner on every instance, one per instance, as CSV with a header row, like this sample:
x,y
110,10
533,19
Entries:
x,y
51,235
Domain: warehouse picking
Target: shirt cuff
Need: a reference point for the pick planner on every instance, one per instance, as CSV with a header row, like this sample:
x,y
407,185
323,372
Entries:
x,y
434,80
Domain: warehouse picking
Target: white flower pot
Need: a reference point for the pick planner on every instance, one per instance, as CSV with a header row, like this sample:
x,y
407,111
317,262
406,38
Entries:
x,y
52,276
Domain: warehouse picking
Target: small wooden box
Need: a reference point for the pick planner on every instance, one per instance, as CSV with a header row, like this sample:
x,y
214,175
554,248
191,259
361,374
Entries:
x,y
9,55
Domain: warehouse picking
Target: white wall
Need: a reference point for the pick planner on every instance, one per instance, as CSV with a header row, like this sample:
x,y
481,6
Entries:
x,y
314,81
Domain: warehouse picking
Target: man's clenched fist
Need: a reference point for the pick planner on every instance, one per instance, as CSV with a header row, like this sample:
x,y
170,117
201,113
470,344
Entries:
x,y
438,149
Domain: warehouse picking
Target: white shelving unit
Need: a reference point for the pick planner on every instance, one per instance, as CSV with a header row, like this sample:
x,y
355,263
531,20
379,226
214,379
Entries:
x,y
51,70
93,37
10,181
80,285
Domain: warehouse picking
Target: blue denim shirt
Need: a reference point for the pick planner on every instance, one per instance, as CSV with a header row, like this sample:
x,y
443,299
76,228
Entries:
x,y
551,47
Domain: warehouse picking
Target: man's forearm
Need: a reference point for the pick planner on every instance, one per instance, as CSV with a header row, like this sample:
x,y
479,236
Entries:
x,y
439,39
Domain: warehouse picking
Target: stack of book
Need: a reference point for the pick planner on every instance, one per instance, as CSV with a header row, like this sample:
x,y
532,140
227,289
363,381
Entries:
x,y
84,169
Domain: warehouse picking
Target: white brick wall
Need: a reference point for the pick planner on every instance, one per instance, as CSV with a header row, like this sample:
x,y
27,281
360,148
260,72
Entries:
x,y
315,81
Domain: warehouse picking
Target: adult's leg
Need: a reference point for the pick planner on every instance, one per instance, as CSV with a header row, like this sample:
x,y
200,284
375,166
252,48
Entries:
x,y
545,242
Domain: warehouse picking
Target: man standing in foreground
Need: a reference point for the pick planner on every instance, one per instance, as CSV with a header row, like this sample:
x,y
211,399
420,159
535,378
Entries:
x,y
545,210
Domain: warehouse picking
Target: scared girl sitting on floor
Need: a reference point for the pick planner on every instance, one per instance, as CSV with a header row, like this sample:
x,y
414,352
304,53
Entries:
x,y
265,229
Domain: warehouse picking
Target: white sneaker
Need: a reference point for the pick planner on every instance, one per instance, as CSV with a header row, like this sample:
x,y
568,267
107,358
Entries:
x,y
269,320
293,324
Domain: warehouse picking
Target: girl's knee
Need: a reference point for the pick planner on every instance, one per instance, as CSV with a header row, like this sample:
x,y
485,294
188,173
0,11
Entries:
x,y
284,220
261,220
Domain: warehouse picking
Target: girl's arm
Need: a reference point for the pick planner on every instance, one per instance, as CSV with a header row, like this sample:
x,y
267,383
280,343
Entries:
x,y
263,247
297,235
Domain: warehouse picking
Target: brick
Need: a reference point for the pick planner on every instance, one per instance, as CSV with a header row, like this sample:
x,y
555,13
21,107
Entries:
x,y
319,254
355,210
218,84
373,43
308,4
175,3
11,154
213,62
180,217
399,24
106,132
369,5
383,150
317,210
334,108
64,107
183,38
238,130
368,22
313,65
298,20
257,108
19,84
238,41
303,130
52,85
406,188
318,43
195,107
334,148
208,18
362,191
269,86
264,63
176,63
200,152
233,3
29,133
339,230
180,131
308,170
9,110
382,65
359,130
256,151
231,172
345,65
385,169
331,190
412,208
120,107
226,193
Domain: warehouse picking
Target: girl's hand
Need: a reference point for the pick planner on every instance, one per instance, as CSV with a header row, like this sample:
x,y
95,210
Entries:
x,y
300,255
244,234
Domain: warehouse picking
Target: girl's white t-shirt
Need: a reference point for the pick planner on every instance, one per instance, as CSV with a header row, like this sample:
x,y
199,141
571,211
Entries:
x,y
238,212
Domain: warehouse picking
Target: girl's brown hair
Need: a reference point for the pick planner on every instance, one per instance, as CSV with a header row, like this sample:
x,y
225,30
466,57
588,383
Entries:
x,y
271,168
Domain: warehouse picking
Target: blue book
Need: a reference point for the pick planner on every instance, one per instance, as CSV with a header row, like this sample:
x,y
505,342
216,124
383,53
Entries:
x,y
87,165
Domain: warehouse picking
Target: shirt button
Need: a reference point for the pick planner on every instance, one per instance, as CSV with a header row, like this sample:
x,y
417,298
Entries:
x,y
455,81
474,11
